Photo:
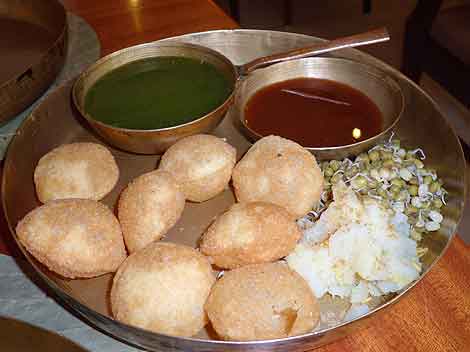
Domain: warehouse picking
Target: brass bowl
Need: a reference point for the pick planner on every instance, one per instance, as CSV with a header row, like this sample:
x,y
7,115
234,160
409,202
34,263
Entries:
x,y
153,141
380,87
158,140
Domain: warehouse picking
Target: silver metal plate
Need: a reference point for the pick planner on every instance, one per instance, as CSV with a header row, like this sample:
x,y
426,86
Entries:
x,y
55,122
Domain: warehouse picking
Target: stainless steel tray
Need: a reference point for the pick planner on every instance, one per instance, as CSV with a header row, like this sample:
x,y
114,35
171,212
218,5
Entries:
x,y
56,122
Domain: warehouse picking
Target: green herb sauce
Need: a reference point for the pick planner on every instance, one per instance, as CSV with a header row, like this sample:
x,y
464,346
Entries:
x,y
157,93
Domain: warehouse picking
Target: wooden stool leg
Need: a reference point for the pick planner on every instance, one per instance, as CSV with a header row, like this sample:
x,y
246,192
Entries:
x,y
287,12
366,6
235,10
417,30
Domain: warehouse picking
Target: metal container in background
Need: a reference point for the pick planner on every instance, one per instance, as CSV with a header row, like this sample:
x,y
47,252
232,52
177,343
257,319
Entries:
x,y
33,46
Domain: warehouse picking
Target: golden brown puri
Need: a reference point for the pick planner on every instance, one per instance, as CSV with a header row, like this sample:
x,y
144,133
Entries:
x,y
202,164
73,237
162,288
279,171
77,170
250,233
262,301
150,205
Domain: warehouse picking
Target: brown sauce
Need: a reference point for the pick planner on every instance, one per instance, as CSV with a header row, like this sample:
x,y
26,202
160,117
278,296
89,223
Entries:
x,y
313,112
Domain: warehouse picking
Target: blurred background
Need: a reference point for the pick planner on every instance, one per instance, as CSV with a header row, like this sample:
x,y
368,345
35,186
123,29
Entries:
x,y
334,18
430,43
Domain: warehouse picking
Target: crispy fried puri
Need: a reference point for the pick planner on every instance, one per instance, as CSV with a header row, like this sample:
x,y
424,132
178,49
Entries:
x,y
250,233
73,237
202,164
279,171
150,205
162,288
77,170
262,301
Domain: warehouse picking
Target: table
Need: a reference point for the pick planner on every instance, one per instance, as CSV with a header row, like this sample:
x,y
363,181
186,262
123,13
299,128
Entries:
x,y
434,316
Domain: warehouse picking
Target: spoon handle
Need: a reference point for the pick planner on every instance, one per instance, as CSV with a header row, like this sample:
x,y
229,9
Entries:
x,y
370,37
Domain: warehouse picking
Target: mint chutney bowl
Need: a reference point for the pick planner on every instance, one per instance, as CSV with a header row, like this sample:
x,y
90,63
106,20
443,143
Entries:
x,y
116,94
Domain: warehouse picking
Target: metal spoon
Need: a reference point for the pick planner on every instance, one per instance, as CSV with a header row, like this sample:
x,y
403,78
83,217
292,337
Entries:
x,y
366,38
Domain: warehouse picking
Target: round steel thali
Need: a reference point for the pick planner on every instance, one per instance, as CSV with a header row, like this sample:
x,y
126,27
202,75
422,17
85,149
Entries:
x,y
55,122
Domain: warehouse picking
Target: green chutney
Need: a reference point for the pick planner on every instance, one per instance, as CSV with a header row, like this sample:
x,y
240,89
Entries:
x,y
157,93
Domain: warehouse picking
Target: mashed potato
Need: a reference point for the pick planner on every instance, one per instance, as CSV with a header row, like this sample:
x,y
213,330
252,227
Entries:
x,y
357,249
